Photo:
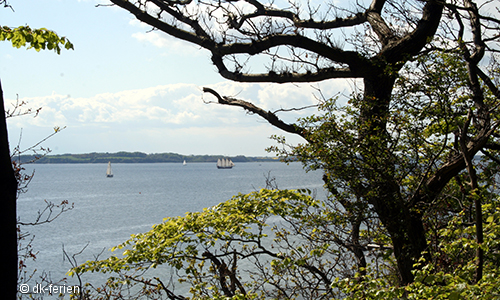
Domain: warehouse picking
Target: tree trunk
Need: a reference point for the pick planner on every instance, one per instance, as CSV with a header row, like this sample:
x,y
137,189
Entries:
x,y
404,226
8,218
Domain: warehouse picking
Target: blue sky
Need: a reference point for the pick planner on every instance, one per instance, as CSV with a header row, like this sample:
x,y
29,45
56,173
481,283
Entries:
x,y
124,88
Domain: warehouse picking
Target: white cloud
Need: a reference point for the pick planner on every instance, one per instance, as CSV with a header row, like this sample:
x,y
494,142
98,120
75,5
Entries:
x,y
168,118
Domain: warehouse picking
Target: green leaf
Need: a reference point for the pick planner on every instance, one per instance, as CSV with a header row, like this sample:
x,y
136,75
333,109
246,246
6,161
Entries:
x,y
24,36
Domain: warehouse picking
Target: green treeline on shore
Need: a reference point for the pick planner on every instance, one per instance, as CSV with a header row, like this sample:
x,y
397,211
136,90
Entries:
x,y
134,157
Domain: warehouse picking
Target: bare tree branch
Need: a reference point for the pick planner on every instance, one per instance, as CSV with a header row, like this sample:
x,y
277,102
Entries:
x,y
269,116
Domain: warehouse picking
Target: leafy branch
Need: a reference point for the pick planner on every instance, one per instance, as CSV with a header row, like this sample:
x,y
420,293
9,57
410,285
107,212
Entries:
x,y
39,39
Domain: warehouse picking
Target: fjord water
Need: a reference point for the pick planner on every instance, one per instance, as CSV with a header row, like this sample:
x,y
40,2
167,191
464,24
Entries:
x,y
108,210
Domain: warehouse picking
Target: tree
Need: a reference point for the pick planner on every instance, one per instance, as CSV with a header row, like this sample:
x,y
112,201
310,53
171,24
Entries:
x,y
398,157
25,251
452,279
8,218
37,39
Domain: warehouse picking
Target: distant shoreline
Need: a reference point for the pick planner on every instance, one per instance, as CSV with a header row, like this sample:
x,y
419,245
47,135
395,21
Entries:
x,y
135,157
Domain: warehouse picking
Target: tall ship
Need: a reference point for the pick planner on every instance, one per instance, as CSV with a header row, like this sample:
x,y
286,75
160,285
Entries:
x,y
225,163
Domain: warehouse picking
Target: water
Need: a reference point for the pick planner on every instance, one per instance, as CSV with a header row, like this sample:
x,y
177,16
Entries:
x,y
108,210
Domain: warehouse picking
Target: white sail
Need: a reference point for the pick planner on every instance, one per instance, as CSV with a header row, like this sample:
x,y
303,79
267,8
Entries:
x,y
109,173
184,163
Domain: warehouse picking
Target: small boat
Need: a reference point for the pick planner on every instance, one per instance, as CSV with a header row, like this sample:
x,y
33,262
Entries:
x,y
184,163
108,171
225,163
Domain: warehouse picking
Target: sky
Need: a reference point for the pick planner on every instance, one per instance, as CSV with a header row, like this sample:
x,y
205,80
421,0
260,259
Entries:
x,y
125,88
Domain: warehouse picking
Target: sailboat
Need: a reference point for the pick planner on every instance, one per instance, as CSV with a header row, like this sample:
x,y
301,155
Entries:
x,y
184,163
225,163
108,171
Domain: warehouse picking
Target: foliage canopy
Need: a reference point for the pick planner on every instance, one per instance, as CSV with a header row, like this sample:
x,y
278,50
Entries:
x,y
400,155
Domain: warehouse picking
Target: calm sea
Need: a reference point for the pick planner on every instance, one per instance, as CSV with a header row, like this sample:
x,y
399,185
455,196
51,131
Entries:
x,y
108,210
